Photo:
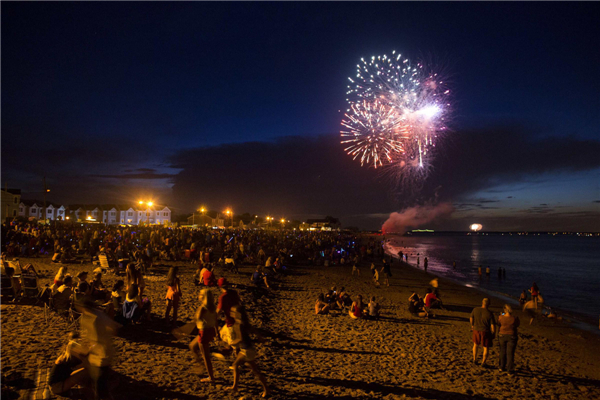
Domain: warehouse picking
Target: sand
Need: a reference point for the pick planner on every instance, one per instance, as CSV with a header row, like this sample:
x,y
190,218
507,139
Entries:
x,y
308,356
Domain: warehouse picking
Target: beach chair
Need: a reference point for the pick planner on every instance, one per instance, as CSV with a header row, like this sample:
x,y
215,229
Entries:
x,y
30,283
61,305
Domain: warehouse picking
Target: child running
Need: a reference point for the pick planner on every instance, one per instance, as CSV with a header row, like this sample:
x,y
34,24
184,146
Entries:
x,y
206,322
246,353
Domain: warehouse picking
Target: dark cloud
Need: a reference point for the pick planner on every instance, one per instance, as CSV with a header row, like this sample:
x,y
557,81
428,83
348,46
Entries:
x,y
472,160
147,175
301,175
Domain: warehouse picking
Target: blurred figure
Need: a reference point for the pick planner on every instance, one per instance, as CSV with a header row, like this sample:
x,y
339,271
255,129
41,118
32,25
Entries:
x,y
99,330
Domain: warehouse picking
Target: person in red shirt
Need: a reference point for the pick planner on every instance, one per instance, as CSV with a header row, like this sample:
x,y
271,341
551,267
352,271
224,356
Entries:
x,y
228,299
431,300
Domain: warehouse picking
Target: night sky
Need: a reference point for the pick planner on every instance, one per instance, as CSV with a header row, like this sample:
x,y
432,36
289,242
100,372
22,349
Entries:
x,y
238,105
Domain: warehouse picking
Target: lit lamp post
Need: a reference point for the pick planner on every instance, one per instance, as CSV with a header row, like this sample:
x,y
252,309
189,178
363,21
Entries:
x,y
269,219
148,204
282,223
230,213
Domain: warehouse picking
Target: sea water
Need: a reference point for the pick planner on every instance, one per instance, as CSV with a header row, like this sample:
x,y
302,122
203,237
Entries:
x,y
565,268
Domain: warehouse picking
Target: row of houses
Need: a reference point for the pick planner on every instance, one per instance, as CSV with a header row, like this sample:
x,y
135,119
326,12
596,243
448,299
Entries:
x,y
110,214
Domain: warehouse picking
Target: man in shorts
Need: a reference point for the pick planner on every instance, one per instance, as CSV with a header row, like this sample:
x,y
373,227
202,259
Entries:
x,y
483,326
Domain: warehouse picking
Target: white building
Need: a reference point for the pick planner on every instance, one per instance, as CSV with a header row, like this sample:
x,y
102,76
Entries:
x,y
11,199
109,214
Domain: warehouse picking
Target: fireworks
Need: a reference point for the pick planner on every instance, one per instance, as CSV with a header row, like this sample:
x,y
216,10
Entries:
x,y
374,133
396,112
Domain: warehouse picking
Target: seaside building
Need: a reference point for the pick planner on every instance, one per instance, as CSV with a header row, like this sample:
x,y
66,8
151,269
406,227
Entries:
x,y
11,198
323,224
110,214
207,219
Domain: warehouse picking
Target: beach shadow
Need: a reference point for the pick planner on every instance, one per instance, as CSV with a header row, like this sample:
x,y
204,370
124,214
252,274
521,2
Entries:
x,y
129,388
282,336
558,378
416,321
147,334
323,349
380,390
450,318
458,308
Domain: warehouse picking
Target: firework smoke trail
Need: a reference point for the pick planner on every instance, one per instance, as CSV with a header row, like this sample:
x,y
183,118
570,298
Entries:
x,y
417,97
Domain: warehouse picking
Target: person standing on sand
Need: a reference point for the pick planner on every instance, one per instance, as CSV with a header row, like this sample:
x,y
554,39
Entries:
x,y
535,291
355,270
483,326
507,337
425,263
386,272
173,294
418,260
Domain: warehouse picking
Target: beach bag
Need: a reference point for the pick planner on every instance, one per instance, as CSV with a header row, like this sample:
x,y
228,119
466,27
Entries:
x,y
129,309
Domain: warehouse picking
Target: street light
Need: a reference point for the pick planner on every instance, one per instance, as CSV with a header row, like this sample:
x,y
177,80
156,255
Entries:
x,y
282,223
149,204
229,212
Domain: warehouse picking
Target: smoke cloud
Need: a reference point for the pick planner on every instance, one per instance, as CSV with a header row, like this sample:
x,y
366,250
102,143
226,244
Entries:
x,y
415,217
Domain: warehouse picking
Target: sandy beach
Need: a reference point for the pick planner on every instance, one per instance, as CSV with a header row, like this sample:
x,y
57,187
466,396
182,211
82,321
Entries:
x,y
308,356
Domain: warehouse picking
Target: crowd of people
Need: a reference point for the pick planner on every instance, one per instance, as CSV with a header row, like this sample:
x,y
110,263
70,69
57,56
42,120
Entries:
x,y
132,251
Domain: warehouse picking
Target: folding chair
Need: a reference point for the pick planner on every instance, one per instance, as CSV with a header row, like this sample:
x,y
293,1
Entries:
x,y
62,305
29,281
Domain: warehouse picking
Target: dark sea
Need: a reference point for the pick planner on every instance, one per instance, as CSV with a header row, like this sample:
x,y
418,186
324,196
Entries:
x,y
565,268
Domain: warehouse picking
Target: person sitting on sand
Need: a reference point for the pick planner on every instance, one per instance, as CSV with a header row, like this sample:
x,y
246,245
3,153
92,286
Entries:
x,y
321,307
431,300
99,292
173,294
82,276
60,275
134,308
483,326
62,297
356,310
343,298
374,308
247,352
70,368
258,277
523,298
206,322
208,277
118,297
416,306
198,275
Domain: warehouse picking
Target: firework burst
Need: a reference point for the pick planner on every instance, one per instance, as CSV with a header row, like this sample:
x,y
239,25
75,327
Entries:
x,y
373,134
397,112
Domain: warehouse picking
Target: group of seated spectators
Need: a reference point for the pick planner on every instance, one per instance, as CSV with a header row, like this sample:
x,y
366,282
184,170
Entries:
x,y
340,301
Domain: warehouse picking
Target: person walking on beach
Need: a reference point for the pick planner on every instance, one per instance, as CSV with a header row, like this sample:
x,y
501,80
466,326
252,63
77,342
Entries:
x,y
483,326
418,260
386,272
206,322
355,270
247,352
173,294
507,337
425,263
535,291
